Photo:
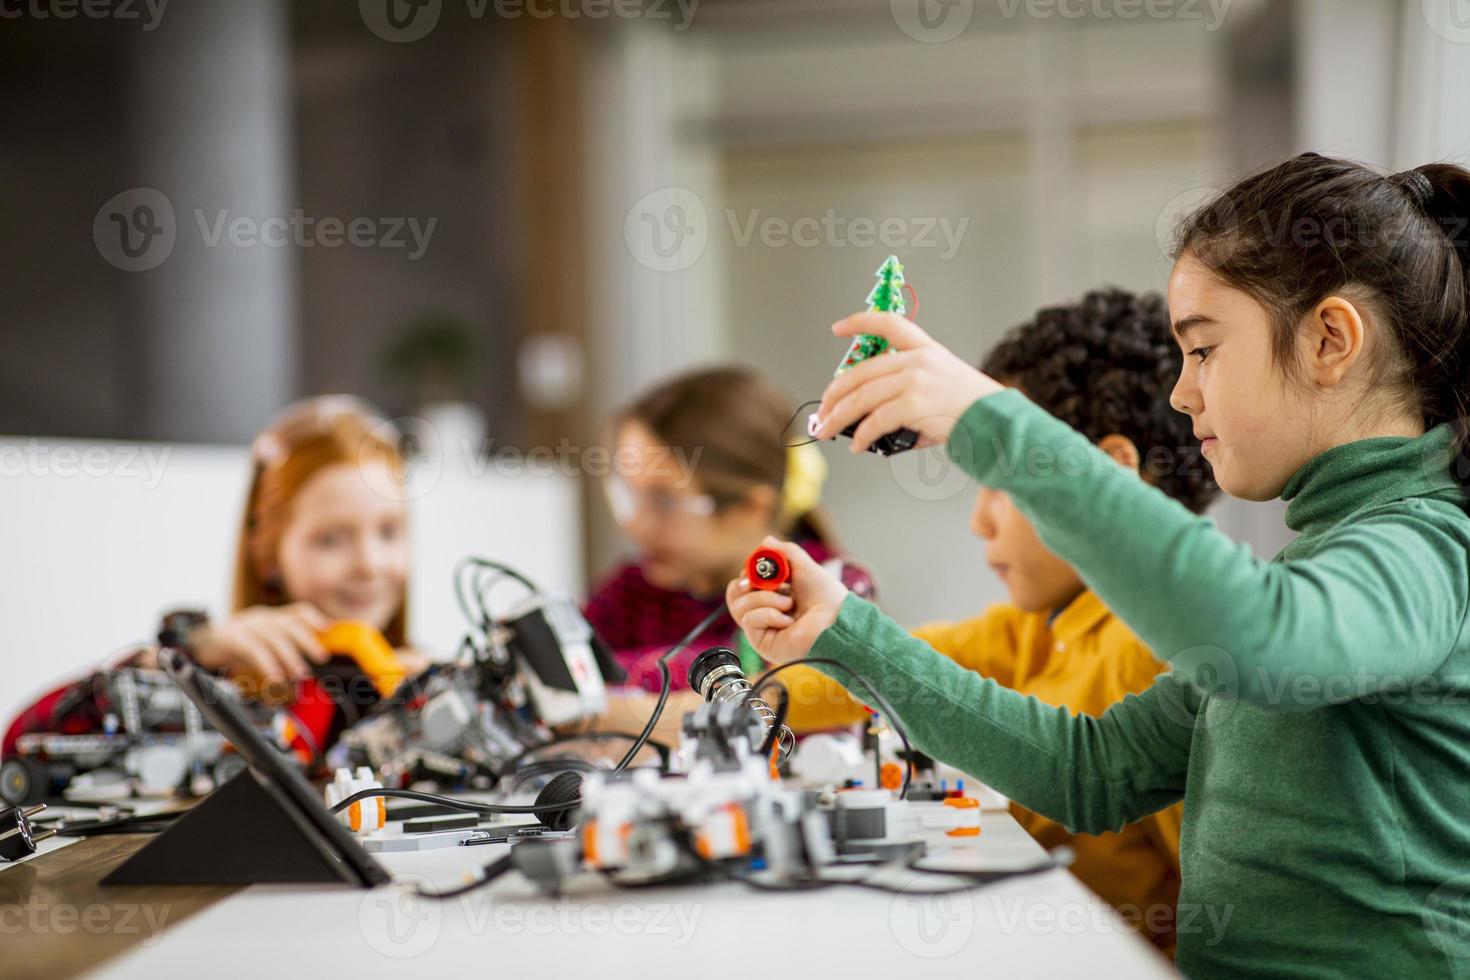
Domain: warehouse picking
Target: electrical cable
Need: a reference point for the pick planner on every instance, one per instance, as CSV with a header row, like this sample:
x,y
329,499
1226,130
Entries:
x,y
665,752
483,877
667,682
465,806
872,692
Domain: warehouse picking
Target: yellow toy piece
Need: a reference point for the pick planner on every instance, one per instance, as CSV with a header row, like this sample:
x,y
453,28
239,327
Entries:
x,y
372,653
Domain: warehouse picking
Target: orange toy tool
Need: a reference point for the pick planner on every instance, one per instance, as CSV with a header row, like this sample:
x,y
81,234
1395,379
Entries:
x,y
325,703
767,569
369,650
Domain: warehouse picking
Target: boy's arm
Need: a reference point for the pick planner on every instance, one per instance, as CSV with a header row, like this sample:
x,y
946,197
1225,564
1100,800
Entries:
x,y
1088,774
1367,611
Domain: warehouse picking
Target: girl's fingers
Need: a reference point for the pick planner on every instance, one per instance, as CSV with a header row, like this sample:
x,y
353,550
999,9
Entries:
x,y
898,330
885,418
311,616
752,601
854,378
862,401
766,618
281,650
305,639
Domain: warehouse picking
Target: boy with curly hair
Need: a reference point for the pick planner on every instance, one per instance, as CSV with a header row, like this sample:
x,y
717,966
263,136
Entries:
x,y
1105,365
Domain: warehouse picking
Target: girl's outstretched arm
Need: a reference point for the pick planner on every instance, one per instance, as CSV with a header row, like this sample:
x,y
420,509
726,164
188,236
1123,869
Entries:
x,y
1089,774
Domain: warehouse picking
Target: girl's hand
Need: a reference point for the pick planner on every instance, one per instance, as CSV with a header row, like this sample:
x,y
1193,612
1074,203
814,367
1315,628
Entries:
x,y
270,644
922,386
783,625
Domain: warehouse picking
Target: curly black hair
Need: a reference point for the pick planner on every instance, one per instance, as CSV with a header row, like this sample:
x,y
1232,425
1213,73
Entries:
x,y
1106,364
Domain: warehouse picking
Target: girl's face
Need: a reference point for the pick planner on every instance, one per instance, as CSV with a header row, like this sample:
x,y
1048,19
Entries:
x,y
685,542
1253,424
344,549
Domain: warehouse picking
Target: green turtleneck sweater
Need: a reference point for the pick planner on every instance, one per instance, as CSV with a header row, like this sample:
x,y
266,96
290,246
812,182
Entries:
x,y
1316,724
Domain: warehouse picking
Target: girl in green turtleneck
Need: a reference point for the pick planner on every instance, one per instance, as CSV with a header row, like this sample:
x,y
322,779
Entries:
x,y
1317,722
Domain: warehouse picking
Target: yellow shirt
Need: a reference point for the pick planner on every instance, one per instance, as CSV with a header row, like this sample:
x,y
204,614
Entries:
x,y
1084,660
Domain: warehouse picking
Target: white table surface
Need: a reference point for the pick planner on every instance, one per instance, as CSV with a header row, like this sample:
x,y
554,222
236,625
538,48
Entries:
x,y
1047,925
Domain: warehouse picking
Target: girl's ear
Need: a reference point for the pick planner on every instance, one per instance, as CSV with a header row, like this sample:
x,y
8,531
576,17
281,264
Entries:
x,y
1333,339
1122,449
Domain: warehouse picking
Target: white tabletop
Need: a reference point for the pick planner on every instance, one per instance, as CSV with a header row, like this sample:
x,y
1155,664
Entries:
x,y
1047,925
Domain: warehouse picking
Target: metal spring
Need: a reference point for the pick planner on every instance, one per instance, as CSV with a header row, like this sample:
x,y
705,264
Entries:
x,y
738,689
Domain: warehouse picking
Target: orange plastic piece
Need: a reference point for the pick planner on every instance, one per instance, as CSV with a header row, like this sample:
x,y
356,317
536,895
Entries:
x,y
890,776
963,803
373,655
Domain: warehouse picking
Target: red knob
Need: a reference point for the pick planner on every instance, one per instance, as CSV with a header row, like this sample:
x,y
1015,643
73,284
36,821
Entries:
x,y
767,568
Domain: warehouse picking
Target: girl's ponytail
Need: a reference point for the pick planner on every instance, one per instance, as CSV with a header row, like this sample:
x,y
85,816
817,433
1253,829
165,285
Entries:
x,y
1443,191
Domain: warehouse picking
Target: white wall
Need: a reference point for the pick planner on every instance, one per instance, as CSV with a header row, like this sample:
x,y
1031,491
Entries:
x,y
97,540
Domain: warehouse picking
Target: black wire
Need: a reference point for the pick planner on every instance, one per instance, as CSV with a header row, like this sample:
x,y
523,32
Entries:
x,y
450,802
872,692
972,879
486,875
792,421
480,566
782,707
667,682
665,753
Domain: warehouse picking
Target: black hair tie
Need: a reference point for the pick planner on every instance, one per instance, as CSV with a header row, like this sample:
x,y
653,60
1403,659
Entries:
x,y
1416,185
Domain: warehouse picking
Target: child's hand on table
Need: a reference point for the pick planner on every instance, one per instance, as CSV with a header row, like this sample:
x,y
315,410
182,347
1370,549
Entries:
x,y
782,625
921,386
